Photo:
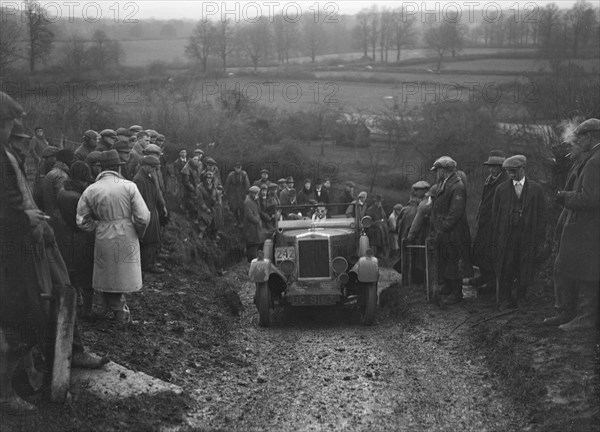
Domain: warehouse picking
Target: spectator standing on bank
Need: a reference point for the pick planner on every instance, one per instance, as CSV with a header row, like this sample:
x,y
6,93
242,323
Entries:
x,y
149,243
236,186
89,142
576,270
114,208
483,246
519,218
252,229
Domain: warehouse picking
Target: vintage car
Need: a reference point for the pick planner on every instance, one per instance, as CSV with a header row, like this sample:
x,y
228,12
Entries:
x,y
316,262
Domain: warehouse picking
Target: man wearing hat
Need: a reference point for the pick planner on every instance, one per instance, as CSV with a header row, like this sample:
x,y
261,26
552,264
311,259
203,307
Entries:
x,y
252,228
280,186
347,196
264,178
90,141
269,210
123,134
236,185
519,218
449,228
211,165
93,160
358,207
377,232
134,129
483,247
284,195
576,270
54,180
393,230
321,194
114,208
122,147
146,184
108,138
24,317
190,180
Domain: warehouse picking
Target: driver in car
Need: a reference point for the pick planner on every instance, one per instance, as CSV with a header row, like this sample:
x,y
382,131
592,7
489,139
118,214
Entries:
x,y
320,213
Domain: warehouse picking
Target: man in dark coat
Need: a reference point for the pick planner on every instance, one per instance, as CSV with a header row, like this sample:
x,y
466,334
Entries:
x,y
347,197
77,246
483,248
252,229
108,138
321,194
377,232
576,269
264,178
89,143
146,184
236,186
30,265
449,228
519,218
190,179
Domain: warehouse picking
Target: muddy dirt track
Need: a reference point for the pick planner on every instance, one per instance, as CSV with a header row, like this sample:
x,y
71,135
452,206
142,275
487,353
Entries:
x,y
318,369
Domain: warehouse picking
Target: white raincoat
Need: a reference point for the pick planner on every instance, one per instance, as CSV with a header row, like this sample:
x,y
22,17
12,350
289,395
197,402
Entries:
x,y
115,209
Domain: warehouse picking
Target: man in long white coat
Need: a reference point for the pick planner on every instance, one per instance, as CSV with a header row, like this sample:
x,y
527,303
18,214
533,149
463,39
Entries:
x,y
114,208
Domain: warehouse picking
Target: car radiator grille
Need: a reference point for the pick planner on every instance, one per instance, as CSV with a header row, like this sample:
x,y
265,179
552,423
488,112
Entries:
x,y
313,261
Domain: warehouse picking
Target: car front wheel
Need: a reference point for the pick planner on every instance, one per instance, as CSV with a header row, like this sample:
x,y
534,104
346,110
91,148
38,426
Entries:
x,y
263,303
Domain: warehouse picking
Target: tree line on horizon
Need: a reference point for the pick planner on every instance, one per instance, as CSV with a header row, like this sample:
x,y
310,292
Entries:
x,y
379,33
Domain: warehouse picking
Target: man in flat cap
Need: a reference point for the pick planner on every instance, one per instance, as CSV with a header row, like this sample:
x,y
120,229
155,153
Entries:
x,y
377,232
347,197
519,218
576,269
280,186
405,221
449,228
146,184
108,138
483,247
284,195
90,141
236,185
252,228
123,148
33,267
114,209
264,178
123,134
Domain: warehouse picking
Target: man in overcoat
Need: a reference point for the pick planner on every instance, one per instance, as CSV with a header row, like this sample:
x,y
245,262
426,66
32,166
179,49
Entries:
x,y
252,228
377,232
519,218
146,184
449,228
576,269
237,184
483,247
114,208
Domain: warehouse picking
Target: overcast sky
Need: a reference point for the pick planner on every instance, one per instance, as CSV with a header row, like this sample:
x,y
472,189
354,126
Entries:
x,y
196,9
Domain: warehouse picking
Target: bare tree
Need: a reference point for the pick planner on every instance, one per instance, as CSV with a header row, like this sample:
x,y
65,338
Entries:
x,y
405,30
285,34
373,16
386,33
581,19
254,39
103,51
312,37
224,41
201,43
361,31
9,49
76,53
38,31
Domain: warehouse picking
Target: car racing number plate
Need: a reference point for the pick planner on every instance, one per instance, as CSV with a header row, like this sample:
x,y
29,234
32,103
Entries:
x,y
285,253
313,300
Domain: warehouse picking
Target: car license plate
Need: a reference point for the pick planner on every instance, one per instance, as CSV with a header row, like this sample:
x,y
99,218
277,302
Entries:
x,y
285,253
312,300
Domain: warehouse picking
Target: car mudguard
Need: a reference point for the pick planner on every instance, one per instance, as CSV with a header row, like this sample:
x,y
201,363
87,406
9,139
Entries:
x,y
262,269
366,269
